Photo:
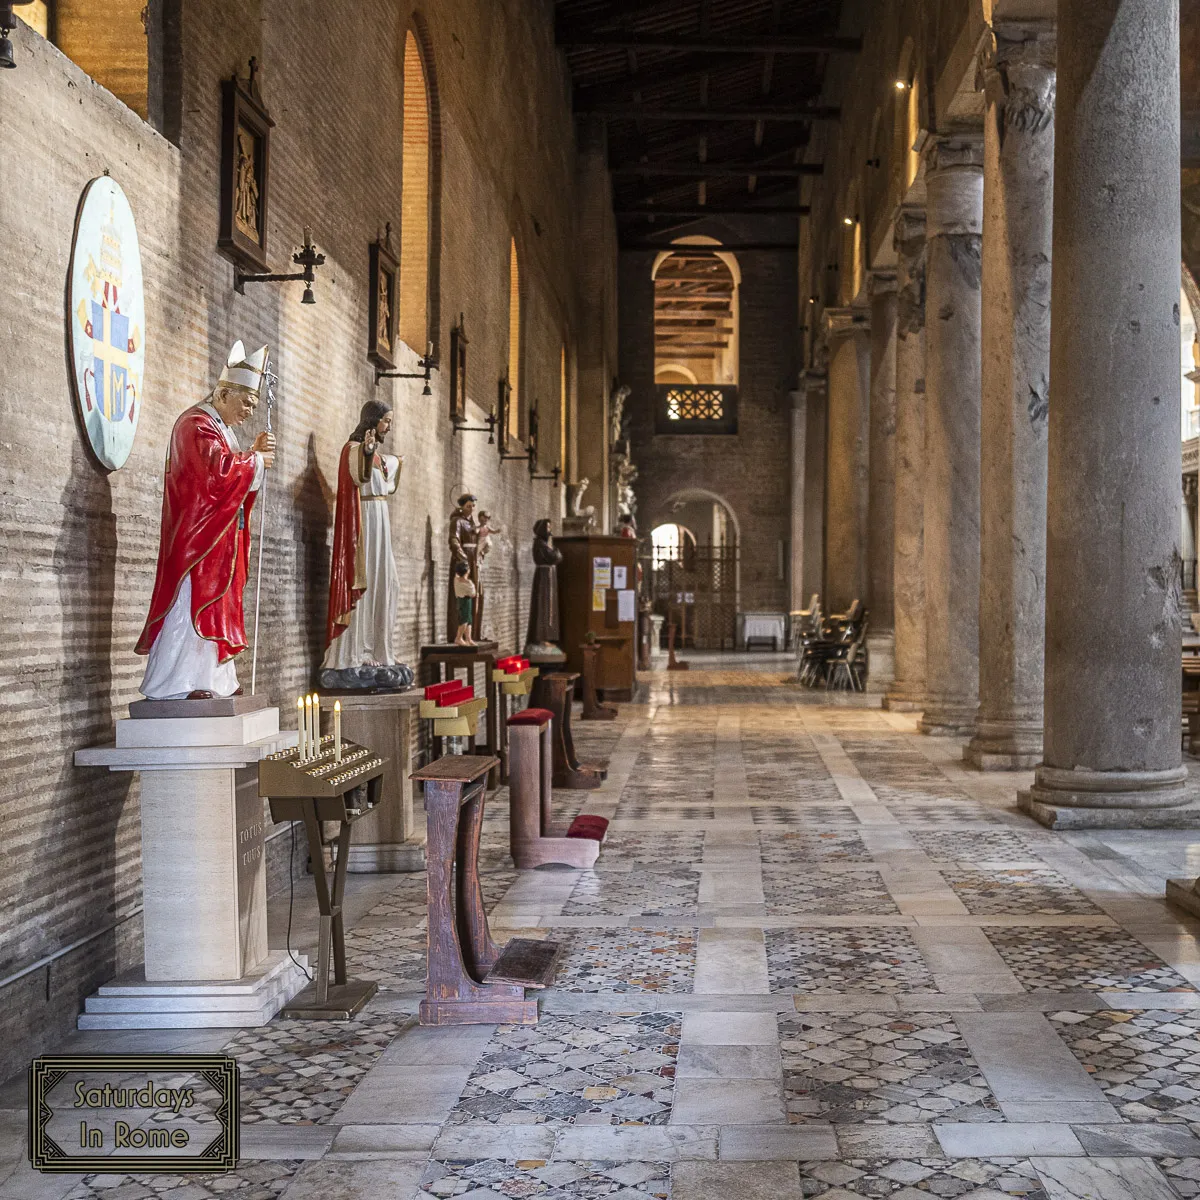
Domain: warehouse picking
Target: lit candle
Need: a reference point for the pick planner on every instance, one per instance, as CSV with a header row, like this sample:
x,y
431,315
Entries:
x,y
317,724
301,730
308,749
337,730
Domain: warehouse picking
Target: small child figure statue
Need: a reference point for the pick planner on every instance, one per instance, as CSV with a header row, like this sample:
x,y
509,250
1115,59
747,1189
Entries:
x,y
464,592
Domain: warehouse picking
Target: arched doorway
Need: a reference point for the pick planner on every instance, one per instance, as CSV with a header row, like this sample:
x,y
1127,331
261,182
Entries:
x,y
693,575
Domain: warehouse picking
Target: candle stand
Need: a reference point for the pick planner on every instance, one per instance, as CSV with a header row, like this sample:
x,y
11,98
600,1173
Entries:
x,y
327,786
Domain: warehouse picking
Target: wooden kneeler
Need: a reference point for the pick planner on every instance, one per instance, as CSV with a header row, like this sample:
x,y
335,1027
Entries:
x,y
533,838
554,691
470,981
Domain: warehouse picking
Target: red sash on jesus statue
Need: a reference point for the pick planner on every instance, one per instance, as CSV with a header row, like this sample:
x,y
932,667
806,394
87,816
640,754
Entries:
x,y
347,581
205,532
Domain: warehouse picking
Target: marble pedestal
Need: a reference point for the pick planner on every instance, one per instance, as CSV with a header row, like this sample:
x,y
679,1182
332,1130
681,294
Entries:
x,y
1063,816
657,653
204,894
881,662
385,839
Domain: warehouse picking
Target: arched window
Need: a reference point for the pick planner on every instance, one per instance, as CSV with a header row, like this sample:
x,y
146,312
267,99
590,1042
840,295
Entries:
x,y
111,42
514,341
415,197
695,317
853,265
912,132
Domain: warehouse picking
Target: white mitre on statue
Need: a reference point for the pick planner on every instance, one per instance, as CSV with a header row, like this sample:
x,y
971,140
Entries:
x,y
244,371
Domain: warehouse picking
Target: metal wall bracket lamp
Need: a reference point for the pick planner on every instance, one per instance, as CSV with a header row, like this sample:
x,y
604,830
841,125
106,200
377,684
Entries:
x,y
489,427
308,258
556,474
427,365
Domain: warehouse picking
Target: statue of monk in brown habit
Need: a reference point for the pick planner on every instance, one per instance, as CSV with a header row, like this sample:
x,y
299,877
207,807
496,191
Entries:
x,y
543,629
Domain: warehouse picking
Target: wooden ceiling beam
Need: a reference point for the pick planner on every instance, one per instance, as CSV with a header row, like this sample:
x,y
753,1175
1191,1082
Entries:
x,y
719,170
769,112
780,43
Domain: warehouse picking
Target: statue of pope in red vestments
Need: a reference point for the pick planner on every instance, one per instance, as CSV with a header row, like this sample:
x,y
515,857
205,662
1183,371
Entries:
x,y
196,626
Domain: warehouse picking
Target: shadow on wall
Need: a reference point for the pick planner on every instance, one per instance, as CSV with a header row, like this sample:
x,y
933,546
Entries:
x,y
314,499
427,591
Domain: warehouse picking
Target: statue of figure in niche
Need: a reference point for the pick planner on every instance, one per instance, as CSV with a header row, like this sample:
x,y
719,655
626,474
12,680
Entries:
x,y
464,547
196,626
542,635
364,588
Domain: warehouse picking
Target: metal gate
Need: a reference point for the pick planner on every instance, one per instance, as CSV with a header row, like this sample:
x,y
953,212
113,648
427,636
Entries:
x,y
698,591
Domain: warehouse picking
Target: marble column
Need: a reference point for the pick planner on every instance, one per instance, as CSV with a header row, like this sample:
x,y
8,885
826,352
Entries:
x,y
881,491
846,480
1112,699
798,531
1018,205
815,386
907,693
954,222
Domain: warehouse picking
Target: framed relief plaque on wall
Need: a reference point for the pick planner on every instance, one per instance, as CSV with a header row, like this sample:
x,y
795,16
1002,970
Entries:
x,y
245,171
382,307
458,372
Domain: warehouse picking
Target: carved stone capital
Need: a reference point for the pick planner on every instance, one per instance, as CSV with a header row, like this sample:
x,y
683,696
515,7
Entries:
x,y
846,322
1017,72
879,283
954,152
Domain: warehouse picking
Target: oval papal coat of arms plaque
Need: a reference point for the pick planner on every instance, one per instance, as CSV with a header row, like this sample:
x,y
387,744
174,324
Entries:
x,y
106,316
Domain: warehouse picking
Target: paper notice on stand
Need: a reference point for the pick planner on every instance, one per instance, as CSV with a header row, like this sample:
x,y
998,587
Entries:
x,y
627,605
598,599
601,573
619,578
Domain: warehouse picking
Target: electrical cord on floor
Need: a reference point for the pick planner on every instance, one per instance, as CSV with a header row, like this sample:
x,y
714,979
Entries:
x,y
291,902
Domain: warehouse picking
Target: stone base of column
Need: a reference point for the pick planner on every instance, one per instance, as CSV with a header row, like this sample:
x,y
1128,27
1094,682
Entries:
x,y
1181,893
1005,746
1112,799
881,661
948,716
905,697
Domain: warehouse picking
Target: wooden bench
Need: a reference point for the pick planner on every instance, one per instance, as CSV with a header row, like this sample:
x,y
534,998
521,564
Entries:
x,y
533,837
470,981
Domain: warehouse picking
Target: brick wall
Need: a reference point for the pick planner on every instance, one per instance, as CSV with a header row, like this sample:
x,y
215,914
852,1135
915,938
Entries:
x,y
751,472
78,546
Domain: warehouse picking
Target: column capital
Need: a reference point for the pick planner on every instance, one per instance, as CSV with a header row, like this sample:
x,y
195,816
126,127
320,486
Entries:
x,y
908,235
846,322
954,152
1017,73
879,283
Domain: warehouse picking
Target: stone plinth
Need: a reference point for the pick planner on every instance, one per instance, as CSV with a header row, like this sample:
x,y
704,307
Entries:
x,y
203,877
386,839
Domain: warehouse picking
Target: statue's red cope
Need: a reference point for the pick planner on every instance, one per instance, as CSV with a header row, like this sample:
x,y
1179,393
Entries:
x,y
205,531
346,584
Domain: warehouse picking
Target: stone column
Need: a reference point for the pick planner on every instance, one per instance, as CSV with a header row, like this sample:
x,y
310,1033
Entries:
x,y
1112,704
848,332
798,530
881,498
954,222
907,693
815,386
1018,203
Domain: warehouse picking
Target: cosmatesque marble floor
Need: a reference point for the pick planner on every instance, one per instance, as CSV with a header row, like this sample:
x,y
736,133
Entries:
x,y
818,957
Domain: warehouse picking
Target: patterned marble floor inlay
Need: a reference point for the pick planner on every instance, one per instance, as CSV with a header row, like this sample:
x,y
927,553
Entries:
x,y
488,1178
392,957
813,892
910,1178
252,1180
992,846
596,1069
627,960
827,961
809,816
300,1072
875,1066
785,847
1147,1062
649,893
1018,891
1084,960
624,851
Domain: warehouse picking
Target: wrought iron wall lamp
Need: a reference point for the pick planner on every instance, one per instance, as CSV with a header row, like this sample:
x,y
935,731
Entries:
x,y
308,257
8,22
